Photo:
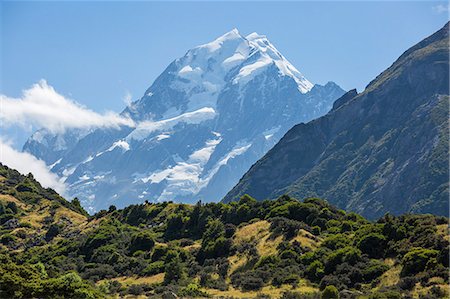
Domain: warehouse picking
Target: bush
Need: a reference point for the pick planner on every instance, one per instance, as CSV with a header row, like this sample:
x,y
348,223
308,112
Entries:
x,y
348,254
7,238
192,291
407,283
270,261
386,295
141,241
416,260
374,270
330,292
315,271
373,244
52,232
251,283
291,295
154,268
135,289
174,269
230,229
280,226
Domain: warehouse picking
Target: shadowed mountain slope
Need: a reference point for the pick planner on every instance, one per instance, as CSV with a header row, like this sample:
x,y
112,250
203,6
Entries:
x,y
383,150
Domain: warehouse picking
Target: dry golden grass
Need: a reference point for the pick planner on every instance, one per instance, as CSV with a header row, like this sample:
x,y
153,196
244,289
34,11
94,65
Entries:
x,y
273,292
8,198
73,216
36,218
268,246
252,232
258,232
420,291
131,280
160,244
392,276
194,246
306,239
236,261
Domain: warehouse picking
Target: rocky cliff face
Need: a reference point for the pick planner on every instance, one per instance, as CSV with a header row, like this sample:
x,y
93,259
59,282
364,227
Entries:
x,y
383,150
203,122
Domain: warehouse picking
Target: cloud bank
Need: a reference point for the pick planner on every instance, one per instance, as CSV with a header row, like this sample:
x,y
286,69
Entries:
x,y
41,106
26,163
441,8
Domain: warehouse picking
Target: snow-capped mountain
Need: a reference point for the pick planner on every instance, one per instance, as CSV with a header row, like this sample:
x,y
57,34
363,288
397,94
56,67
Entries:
x,y
199,127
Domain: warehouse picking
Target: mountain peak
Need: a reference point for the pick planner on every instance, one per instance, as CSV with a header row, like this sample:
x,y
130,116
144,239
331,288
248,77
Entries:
x,y
231,36
189,142
240,58
255,36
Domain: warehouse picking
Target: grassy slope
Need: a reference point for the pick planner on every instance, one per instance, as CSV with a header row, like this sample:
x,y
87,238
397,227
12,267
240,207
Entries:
x,y
39,209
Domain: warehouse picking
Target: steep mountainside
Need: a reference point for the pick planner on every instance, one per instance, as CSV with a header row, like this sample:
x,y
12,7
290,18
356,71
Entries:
x,y
282,248
203,122
383,150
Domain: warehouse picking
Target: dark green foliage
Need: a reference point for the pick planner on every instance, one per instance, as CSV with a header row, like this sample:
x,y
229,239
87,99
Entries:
x,y
31,281
187,242
175,270
154,268
142,241
417,260
330,292
373,244
373,270
192,291
52,232
285,227
251,280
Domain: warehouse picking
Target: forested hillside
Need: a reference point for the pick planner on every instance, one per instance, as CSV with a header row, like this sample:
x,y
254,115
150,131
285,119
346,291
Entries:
x,y
285,248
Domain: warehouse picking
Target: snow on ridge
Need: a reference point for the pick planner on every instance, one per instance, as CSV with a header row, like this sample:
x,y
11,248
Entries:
x,y
205,71
145,128
217,43
211,62
121,144
185,176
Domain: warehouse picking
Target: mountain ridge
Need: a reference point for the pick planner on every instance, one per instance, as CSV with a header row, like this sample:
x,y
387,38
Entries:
x,y
329,153
188,143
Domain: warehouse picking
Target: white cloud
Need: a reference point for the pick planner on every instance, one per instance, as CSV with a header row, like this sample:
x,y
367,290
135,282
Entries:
x,y
127,98
145,128
43,107
26,163
441,8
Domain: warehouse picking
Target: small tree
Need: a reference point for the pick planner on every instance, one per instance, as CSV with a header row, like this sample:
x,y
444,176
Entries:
x,y
175,270
142,241
330,292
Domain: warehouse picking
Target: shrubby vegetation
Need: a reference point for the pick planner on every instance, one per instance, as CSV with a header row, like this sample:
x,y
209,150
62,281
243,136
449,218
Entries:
x,y
51,248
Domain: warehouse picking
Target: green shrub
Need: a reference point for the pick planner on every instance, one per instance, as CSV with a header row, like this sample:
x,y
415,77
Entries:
x,y
373,244
330,292
192,290
417,259
154,268
142,241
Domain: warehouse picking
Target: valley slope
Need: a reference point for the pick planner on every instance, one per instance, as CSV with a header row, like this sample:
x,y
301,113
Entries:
x,y
383,150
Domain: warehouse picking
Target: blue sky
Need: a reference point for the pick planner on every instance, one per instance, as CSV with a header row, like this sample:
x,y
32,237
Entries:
x,y
97,52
